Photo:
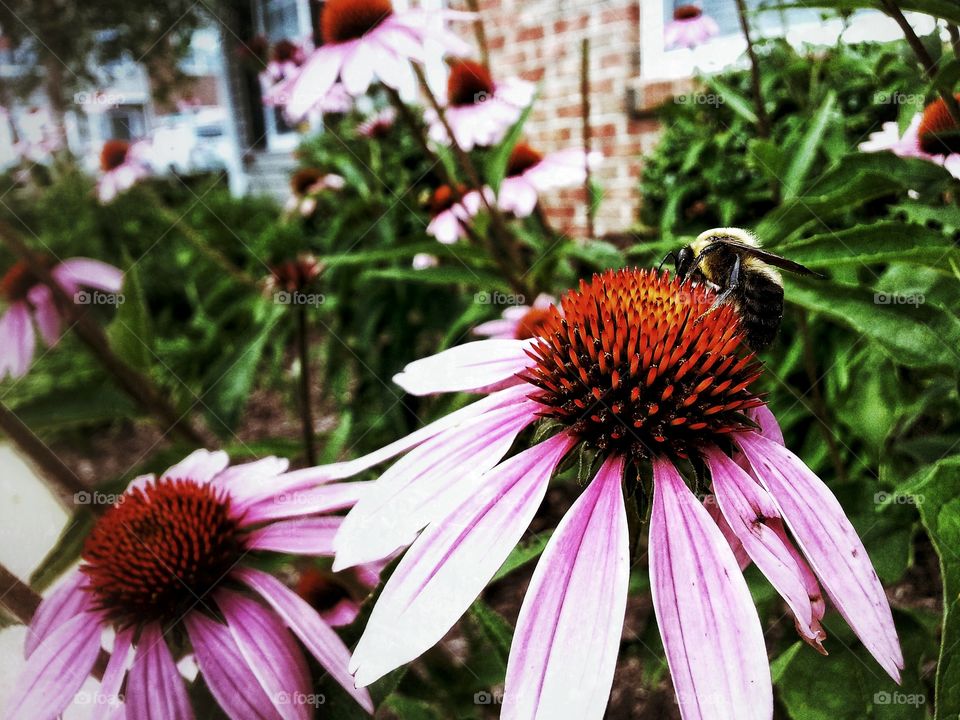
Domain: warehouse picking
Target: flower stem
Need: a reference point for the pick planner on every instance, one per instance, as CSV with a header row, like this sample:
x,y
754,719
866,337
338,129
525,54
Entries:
x,y
306,409
954,39
130,380
480,33
763,123
587,130
58,477
505,245
419,133
929,66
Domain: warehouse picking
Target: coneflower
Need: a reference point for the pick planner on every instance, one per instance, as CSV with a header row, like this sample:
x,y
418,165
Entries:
x,y
306,184
367,40
123,165
641,372
450,212
28,301
167,567
931,135
690,27
478,110
520,322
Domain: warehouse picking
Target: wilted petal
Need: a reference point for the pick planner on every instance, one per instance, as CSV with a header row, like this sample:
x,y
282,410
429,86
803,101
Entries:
x,y
270,652
769,427
710,629
155,689
17,341
749,509
565,647
301,536
743,559
448,566
830,544
229,677
325,645
56,670
427,483
45,314
469,366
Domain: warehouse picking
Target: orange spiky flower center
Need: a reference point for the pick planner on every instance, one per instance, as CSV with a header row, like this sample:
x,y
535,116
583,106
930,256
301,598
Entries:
x,y
687,12
113,154
303,179
469,83
16,283
444,198
638,364
938,133
161,550
522,159
534,323
345,20
285,51
321,589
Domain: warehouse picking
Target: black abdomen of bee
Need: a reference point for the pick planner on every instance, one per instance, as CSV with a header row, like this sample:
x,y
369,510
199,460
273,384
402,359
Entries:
x,y
760,305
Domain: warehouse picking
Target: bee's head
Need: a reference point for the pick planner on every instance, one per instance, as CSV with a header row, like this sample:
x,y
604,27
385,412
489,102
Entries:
x,y
684,261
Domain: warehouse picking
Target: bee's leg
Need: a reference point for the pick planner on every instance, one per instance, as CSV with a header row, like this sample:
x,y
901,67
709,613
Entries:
x,y
733,282
666,257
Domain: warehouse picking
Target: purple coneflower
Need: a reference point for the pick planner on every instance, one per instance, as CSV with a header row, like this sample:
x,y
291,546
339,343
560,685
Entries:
x,y
689,28
337,597
365,40
520,322
646,373
931,135
479,111
165,566
306,184
530,173
379,125
450,215
123,165
29,301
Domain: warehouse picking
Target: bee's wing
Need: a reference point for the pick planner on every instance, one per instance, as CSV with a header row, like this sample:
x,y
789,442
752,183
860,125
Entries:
x,y
768,257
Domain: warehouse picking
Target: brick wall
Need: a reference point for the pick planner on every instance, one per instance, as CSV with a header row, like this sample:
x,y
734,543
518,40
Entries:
x,y
540,40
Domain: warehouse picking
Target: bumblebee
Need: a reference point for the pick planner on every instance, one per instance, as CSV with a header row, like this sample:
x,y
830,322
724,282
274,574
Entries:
x,y
732,262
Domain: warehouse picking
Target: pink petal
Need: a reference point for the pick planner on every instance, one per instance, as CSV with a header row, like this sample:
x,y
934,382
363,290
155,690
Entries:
x,y
314,80
116,671
155,689
518,196
565,647
17,341
710,629
301,536
45,314
497,329
200,466
426,484
270,652
743,559
230,679
91,273
312,501
56,670
69,599
448,566
337,471
465,367
325,645
769,427
748,507
358,68
253,481
830,544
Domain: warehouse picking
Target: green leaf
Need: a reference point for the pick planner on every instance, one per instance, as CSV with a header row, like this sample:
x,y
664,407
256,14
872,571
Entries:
x,y
130,333
881,242
496,166
496,629
231,379
935,492
804,153
916,335
523,554
737,102
65,551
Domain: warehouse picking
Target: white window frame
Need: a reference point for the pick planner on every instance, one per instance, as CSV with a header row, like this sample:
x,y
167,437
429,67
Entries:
x,y
658,63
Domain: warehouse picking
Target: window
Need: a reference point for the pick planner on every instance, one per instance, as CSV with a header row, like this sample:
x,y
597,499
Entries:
x,y
798,25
